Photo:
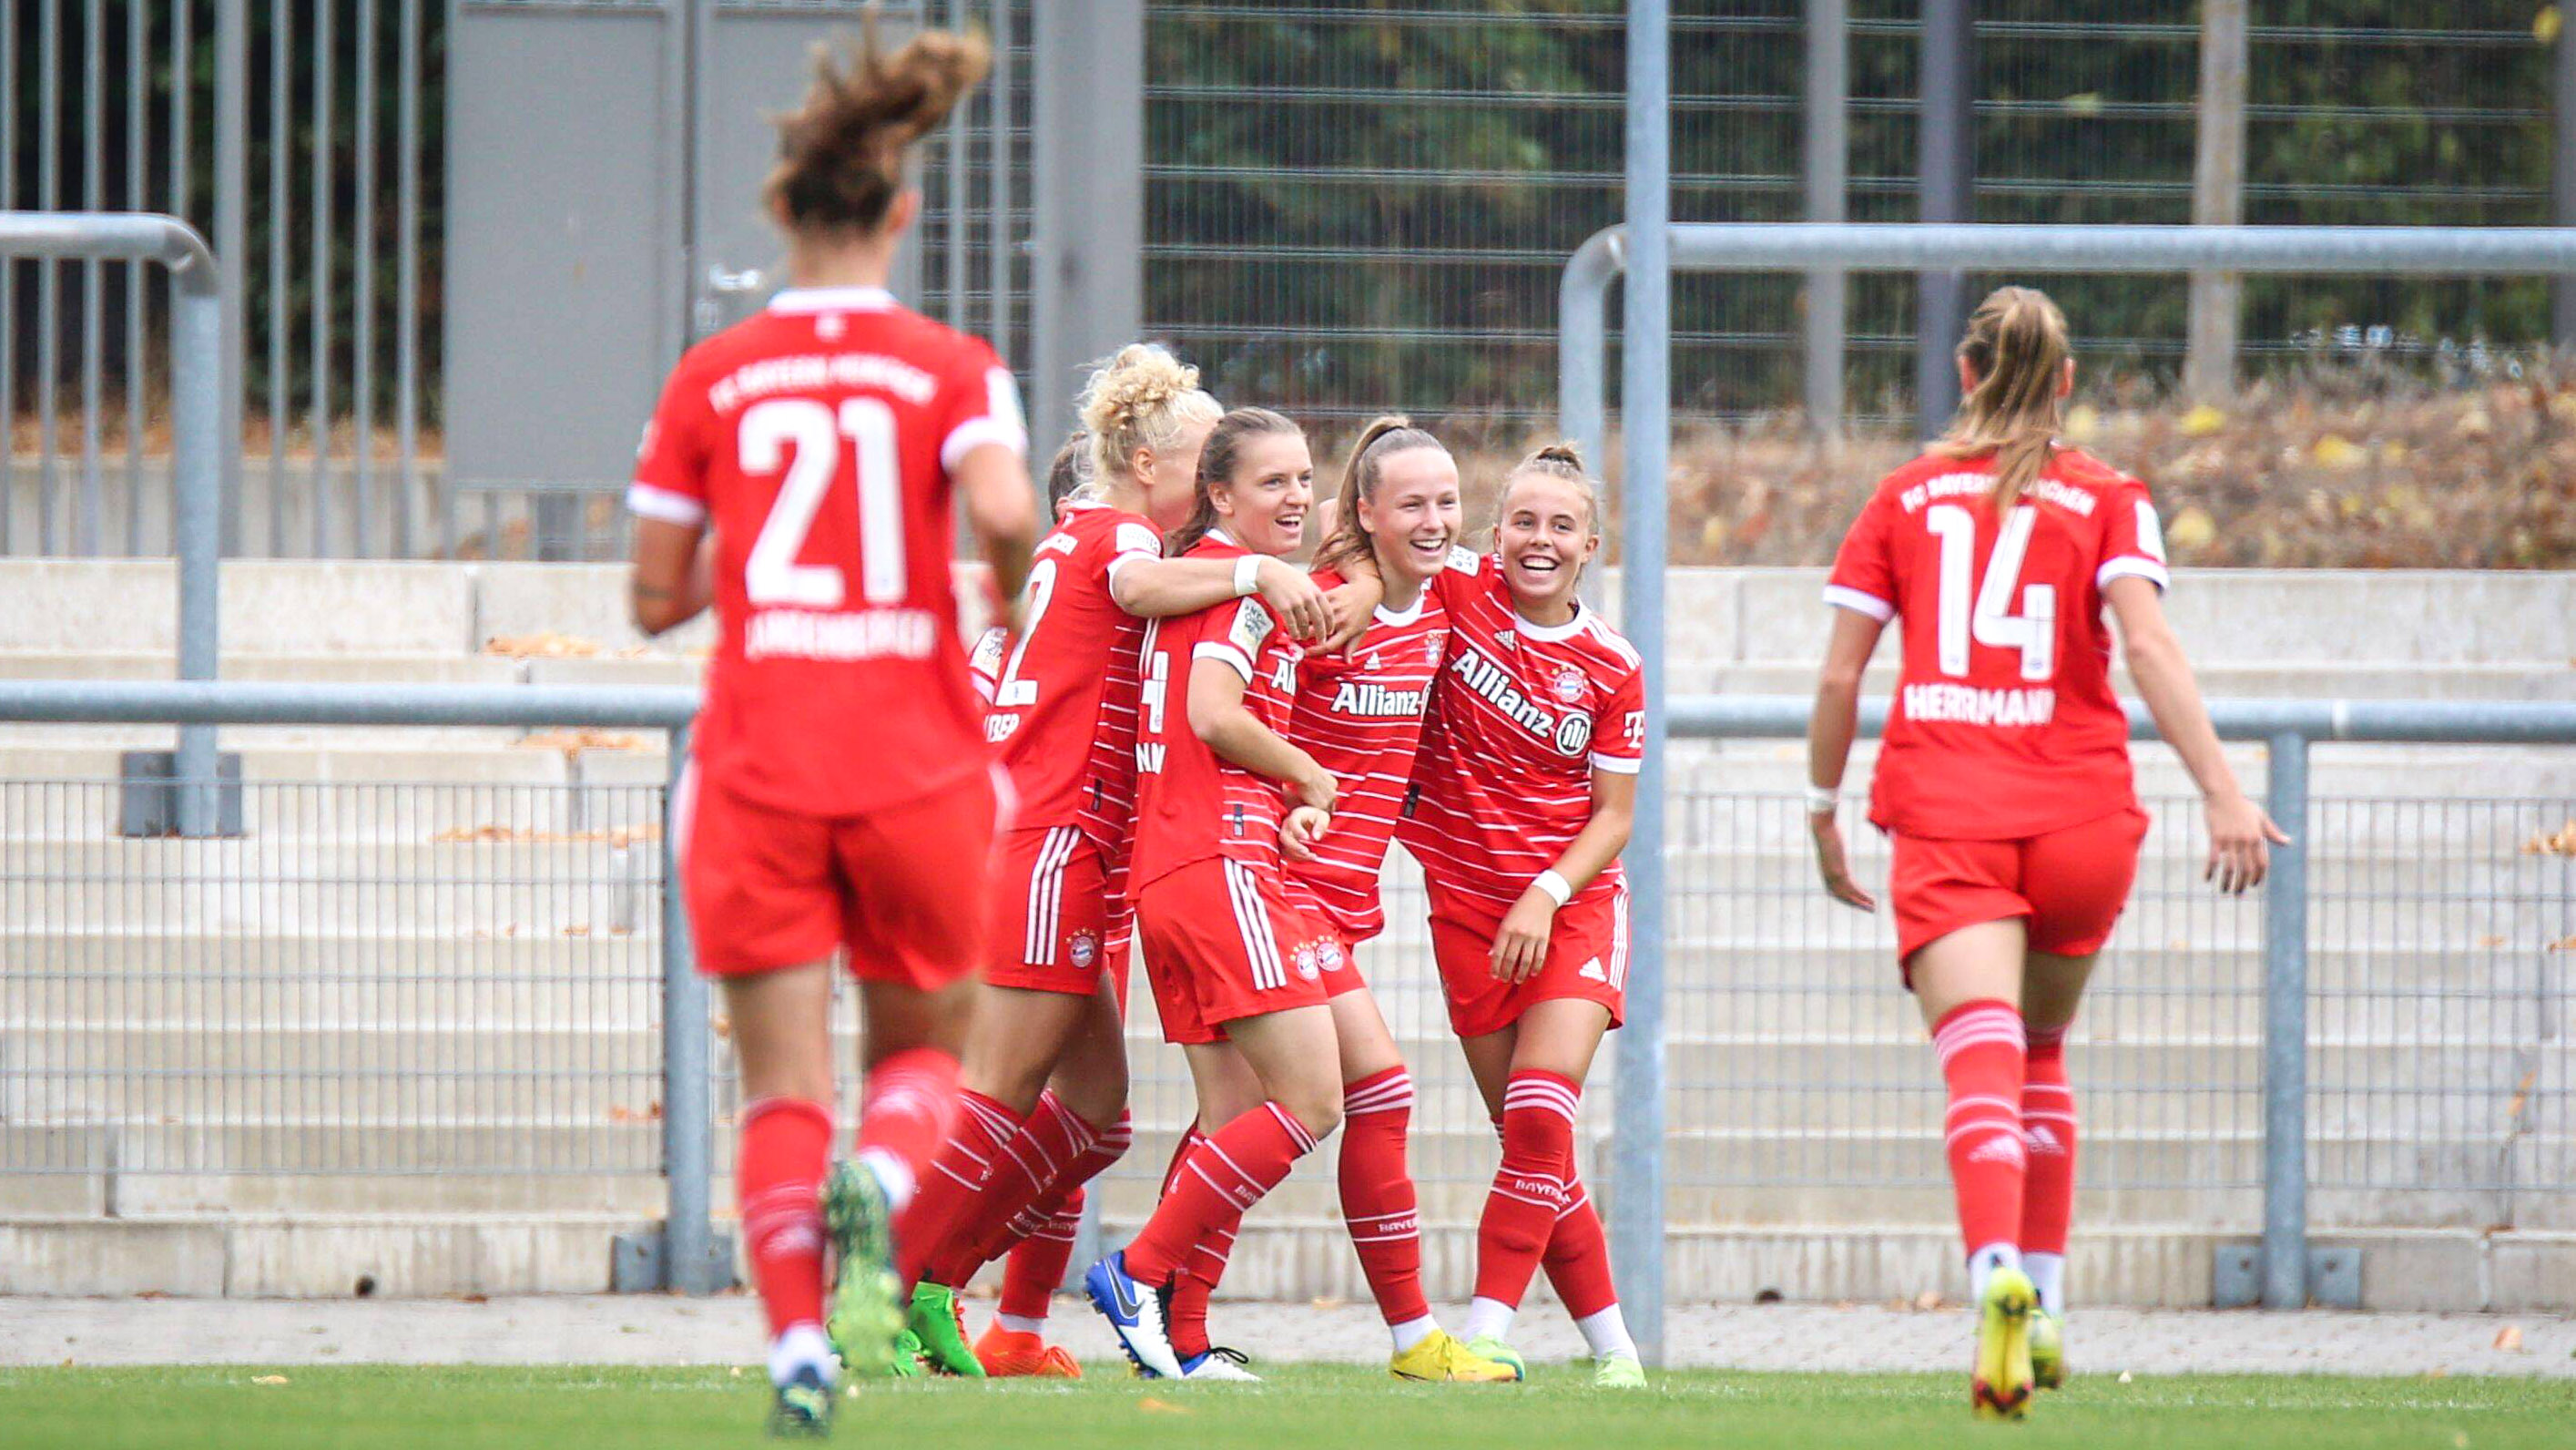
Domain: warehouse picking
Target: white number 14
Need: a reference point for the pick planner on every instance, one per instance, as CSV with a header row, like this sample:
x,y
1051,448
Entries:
x,y
2033,631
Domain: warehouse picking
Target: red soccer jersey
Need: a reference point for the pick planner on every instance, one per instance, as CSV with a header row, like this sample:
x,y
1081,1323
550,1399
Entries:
x,y
2004,724
817,440
1360,715
1522,716
1051,689
1190,803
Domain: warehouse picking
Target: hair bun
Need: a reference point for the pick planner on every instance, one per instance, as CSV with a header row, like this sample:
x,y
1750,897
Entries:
x,y
1558,452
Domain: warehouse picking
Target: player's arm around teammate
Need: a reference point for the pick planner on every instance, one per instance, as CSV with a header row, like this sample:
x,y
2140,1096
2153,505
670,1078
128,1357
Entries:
x,y
802,473
2005,780
1219,939
1522,800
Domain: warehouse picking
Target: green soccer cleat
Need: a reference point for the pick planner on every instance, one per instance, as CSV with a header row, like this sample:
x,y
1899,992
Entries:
x,y
938,1322
1618,1372
2001,1389
866,1311
909,1362
1486,1346
803,1409
2047,1350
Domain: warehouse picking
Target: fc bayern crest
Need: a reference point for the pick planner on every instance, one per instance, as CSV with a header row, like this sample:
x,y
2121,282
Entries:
x,y
1573,734
1569,684
1431,646
1306,967
1086,950
1330,954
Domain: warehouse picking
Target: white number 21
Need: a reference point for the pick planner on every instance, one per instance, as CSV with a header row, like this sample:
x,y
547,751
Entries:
x,y
1990,622
769,429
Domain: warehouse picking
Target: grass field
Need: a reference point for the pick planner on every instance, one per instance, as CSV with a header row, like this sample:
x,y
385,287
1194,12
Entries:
x,y
221,1408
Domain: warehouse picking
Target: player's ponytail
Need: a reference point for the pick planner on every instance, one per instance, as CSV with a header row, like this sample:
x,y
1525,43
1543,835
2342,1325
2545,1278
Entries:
x,y
1142,397
1069,473
1381,440
2016,344
841,153
1216,467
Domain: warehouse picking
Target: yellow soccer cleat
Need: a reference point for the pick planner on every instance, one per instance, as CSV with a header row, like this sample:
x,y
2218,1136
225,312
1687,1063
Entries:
x,y
1618,1372
1486,1346
2047,1350
1440,1358
2002,1387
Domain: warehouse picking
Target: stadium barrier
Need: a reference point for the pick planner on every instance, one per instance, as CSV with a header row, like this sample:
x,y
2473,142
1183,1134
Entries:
x,y
488,982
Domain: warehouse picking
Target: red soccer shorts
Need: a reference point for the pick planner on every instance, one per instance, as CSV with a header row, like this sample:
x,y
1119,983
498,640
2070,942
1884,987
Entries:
x,y
1052,919
903,890
1587,959
2069,884
1221,942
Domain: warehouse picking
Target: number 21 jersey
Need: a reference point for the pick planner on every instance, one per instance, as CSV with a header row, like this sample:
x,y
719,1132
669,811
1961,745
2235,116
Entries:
x,y
817,440
2004,724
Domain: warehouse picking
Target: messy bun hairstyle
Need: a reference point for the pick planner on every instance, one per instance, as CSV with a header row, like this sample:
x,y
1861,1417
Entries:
x,y
1142,397
1555,460
840,154
1381,440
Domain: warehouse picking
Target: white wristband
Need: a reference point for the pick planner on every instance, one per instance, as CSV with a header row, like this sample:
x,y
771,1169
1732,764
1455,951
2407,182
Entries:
x,y
1247,575
1822,799
1555,885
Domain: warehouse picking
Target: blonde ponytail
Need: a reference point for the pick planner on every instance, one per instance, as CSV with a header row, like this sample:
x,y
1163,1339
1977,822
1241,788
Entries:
x,y
1382,439
2016,344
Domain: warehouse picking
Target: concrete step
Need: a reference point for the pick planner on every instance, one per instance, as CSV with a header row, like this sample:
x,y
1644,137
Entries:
x,y
397,1255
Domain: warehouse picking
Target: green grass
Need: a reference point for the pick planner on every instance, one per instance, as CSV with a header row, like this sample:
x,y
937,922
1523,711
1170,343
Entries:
x,y
222,1407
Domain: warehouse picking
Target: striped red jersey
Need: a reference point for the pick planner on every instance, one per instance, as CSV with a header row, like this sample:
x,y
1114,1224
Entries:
x,y
816,440
1055,682
1522,716
2004,724
1192,804
1360,715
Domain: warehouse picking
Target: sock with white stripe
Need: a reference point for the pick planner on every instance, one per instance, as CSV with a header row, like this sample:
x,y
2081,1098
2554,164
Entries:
x,y
2048,1124
1378,1200
1230,1170
946,1198
1529,1187
1981,1045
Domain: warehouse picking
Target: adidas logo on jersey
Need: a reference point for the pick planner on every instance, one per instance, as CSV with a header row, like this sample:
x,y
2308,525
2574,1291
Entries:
x,y
1378,700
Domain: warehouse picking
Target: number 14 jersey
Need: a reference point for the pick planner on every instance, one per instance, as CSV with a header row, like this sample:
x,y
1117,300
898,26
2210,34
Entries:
x,y
817,440
2004,724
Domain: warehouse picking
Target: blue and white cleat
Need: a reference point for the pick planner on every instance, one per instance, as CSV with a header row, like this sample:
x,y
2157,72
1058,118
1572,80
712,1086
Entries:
x,y
1136,1312
803,1409
1219,1363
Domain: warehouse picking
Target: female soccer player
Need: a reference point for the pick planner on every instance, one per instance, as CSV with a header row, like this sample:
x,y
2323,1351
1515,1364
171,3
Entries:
x,y
1359,713
1046,1064
839,796
2005,780
1522,800
1228,958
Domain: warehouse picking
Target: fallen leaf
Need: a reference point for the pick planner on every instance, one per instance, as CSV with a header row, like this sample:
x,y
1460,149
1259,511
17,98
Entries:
x,y
576,930
2338,452
2191,529
575,741
2490,941
2564,944
1327,1304
1928,1300
1159,1407
2202,421
2546,24
262,1379
2127,1378
549,646
737,1371
2509,1339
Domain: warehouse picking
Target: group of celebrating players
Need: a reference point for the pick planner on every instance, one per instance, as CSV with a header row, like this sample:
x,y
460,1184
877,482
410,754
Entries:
x,y
1186,750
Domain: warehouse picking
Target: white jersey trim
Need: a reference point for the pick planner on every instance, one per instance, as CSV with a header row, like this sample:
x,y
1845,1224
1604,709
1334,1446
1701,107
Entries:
x,y
2132,566
1616,764
1843,596
1224,654
1551,633
647,501
975,433
832,299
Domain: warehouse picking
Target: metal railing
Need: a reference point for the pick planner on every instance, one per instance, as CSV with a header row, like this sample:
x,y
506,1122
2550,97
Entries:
x,y
462,890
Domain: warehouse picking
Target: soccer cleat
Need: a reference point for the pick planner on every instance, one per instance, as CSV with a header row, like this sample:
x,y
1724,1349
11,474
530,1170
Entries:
x,y
2047,1350
1135,1311
2002,1387
1217,1362
1439,1357
803,1408
1486,1346
908,1363
866,1311
1618,1372
939,1322
1016,1353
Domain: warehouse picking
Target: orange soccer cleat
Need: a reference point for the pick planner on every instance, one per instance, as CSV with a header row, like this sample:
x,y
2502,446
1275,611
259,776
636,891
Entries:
x,y
1007,1353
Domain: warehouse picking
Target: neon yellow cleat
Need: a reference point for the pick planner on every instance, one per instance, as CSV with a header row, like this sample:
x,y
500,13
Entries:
x,y
1442,1359
1618,1372
2047,1350
2002,1387
1486,1346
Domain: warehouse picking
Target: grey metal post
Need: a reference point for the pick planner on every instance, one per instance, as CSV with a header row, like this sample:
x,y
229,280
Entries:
x,y
688,1144
1645,393
232,252
1583,339
1826,158
1946,160
2285,1032
1088,178
2562,181
2217,195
